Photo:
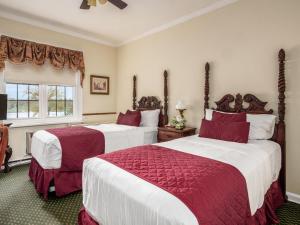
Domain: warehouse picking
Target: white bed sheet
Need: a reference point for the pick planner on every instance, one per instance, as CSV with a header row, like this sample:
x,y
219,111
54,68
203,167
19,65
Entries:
x,y
46,148
113,196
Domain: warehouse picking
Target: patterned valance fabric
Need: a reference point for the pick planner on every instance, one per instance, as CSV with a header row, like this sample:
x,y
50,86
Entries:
x,y
21,51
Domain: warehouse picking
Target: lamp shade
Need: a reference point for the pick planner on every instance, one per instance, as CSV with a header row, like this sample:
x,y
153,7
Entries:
x,y
3,106
180,105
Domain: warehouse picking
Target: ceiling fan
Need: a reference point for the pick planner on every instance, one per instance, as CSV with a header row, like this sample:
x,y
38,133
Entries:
x,y
86,4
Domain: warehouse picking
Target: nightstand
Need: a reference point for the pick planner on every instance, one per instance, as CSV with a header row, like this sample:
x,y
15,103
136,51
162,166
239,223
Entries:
x,y
170,133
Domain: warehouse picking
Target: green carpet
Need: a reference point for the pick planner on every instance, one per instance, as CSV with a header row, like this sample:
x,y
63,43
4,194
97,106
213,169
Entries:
x,y
21,205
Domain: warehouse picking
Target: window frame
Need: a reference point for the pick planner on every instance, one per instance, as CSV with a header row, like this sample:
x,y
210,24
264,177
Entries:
x,y
43,118
64,100
27,100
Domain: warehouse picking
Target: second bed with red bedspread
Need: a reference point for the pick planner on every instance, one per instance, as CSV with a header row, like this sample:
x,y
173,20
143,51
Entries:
x,y
77,143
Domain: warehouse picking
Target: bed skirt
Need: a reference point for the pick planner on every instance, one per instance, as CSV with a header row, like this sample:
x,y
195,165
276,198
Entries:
x,y
64,182
264,216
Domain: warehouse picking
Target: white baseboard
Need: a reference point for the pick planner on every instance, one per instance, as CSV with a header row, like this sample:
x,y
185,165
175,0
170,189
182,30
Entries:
x,y
24,161
20,162
293,197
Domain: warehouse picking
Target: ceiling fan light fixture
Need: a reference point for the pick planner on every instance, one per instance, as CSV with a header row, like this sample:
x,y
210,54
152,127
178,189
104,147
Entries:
x,y
102,2
91,2
86,4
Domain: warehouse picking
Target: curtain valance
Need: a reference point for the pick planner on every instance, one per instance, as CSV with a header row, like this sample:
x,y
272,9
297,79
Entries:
x,y
21,51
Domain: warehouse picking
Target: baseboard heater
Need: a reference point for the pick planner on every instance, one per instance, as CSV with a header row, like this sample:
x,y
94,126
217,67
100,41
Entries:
x,y
29,135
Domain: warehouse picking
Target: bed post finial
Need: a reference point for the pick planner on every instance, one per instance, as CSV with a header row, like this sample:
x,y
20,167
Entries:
x,y
281,85
166,119
134,93
206,88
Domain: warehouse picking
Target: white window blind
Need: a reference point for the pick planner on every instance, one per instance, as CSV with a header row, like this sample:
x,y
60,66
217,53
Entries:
x,y
33,74
46,76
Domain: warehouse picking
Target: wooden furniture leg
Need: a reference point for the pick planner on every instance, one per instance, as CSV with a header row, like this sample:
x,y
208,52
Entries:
x,y
8,154
8,150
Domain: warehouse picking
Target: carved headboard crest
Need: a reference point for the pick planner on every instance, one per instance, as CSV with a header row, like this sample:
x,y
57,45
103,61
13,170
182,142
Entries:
x,y
229,103
149,102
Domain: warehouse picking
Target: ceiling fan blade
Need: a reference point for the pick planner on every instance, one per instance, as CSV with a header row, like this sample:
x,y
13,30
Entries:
x,y
119,3
84,5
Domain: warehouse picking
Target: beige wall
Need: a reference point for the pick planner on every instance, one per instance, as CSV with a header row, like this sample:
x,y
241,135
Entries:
x,y
99,59
241,42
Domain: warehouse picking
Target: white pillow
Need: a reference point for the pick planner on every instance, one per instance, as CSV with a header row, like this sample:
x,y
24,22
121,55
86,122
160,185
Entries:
x,y
261,125
150,118
208,114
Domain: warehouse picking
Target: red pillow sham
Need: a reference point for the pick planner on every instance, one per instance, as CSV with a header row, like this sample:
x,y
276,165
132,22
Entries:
x,y
235,132
120,118
229,117
131,118
136,115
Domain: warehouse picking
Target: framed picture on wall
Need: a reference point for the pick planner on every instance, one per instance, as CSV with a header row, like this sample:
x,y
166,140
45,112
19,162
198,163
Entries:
x,y
99,85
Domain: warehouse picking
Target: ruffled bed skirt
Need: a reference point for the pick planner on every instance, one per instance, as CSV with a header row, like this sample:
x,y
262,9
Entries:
x,y
266,214
64,182
263,216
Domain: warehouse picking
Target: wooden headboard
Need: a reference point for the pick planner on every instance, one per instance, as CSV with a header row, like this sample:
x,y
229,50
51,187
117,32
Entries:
x,y
152,102
231,103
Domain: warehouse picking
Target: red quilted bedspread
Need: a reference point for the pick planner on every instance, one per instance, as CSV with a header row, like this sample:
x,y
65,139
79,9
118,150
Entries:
x,y
214,191
78,143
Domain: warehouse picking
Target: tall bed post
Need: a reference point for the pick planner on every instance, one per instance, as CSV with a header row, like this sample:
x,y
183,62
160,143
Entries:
x,y
166,119
281,115
134,93
281,86
206,88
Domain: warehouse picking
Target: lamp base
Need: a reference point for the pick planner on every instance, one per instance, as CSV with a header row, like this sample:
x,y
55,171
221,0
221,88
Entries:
x,y
179,127
181,112
181,121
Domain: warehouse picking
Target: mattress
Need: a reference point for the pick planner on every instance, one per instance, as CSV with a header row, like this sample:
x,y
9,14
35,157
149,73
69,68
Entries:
x,y
113,196
46,148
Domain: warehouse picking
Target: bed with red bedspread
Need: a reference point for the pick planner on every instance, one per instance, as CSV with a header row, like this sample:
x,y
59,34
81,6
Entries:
x,y
77,143
188,181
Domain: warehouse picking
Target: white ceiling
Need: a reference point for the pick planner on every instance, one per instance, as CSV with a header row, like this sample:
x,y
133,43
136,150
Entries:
x,y
105,23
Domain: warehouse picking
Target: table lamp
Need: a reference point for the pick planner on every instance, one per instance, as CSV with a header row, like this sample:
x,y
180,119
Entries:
x,y
178,121
180,106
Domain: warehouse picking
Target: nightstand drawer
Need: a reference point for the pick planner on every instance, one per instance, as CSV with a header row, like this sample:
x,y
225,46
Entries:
x,y
165,139
168,135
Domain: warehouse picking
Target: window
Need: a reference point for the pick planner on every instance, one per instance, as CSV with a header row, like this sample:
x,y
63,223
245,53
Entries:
x,y
60,101
41,95
43,103
23,100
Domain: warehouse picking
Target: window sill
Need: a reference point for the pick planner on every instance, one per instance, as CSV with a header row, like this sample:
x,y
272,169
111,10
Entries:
x,y
42,122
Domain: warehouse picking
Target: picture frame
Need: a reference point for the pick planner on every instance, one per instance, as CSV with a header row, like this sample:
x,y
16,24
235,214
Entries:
x,y
99,85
